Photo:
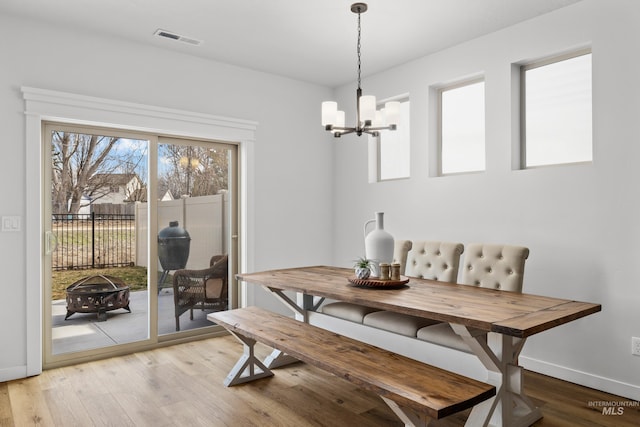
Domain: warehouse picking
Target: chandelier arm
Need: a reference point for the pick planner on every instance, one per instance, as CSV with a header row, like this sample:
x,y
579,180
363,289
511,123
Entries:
x,y
344,131
390,127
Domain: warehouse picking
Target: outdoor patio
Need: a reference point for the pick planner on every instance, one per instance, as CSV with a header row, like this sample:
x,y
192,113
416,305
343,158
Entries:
x,y
83,331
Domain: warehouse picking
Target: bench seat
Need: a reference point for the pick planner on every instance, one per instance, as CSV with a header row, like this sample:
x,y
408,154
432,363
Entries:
x,y
402,324
405,384
348,311
399,323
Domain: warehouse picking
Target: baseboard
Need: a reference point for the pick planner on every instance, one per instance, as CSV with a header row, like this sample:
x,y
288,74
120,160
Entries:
x,y
13,373
619,388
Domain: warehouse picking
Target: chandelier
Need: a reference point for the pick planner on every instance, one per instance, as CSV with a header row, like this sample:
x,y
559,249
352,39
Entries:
x,y
368,119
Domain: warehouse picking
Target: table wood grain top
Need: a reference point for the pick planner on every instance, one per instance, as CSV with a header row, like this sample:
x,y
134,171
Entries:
x,y
509,313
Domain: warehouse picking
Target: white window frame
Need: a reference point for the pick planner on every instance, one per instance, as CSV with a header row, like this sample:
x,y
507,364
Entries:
x,y
439,92
523,68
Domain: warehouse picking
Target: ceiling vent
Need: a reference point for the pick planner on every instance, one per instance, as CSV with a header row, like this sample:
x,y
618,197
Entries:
x,y
177,37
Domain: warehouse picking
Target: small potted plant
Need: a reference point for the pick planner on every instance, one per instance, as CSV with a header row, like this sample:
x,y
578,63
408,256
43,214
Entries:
x,y
362,268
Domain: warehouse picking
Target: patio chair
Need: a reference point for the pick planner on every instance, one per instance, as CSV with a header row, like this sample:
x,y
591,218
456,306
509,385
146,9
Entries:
x,y
203,289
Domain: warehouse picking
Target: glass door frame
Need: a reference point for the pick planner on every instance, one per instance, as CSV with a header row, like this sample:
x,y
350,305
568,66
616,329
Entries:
x,y
153,338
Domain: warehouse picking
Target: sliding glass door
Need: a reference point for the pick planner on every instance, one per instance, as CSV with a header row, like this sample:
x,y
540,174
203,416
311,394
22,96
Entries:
x,y
133,223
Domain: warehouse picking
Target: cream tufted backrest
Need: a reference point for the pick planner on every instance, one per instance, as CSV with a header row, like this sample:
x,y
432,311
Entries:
x,y
400,250
434,260
494,266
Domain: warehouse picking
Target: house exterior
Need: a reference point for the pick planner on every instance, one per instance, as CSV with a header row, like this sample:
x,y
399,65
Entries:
x,y
579,221
116,188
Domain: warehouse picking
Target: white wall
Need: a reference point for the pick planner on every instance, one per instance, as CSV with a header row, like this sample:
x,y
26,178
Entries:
x,y
580,221
286,214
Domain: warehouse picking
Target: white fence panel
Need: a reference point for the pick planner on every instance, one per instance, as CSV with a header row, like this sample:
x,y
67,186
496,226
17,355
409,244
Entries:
x,y
204,218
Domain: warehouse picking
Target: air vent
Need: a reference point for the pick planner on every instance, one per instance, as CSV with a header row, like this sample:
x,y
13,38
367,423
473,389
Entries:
x,y
173,36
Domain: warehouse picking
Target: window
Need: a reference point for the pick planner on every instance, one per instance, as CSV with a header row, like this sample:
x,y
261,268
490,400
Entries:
x,y
556,111
394,148
461,136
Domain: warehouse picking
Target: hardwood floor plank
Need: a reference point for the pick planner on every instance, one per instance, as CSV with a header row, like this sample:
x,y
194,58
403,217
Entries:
x,y
68,409
6,415
183,385
564,402
28,404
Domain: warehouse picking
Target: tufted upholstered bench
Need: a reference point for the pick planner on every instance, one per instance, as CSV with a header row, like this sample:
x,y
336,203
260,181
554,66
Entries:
x,y
485,265
426,260
498,267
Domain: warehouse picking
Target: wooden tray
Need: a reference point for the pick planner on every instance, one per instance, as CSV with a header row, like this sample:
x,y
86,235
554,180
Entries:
x,y
376,283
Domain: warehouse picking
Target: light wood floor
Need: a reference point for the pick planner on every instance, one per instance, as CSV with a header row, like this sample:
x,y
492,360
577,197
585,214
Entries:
x,y
182,386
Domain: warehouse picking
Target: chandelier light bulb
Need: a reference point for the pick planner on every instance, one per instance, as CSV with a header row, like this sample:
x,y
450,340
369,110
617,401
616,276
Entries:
x,y
379,120
392,113
329,112
367,108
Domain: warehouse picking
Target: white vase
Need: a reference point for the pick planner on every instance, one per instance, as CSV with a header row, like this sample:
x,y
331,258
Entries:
x,y
378,244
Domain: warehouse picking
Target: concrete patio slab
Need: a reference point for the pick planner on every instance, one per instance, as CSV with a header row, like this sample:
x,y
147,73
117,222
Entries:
x,y
83,331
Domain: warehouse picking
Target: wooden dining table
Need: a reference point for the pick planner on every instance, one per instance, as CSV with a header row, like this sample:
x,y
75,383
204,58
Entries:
x,y
471,311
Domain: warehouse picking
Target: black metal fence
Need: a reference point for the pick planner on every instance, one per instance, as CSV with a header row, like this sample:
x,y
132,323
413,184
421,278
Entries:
x,y
93,241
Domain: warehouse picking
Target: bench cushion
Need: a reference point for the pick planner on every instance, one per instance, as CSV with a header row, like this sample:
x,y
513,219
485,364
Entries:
x,y
398,323
442,334
434,260
347,311
495,266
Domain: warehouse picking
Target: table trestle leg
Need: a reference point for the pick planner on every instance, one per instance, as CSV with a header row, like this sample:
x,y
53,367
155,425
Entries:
x,y
406,415
288,302
300,306
510,406
278,358
248,367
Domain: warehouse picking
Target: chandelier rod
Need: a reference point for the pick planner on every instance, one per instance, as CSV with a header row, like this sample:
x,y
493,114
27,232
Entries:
x,y
358,48
358,128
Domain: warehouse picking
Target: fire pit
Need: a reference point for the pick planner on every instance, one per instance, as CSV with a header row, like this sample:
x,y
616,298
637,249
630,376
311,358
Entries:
x,y
97,294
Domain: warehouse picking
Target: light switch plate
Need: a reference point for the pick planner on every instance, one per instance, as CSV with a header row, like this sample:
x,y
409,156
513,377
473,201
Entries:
x,y
10,223
635,346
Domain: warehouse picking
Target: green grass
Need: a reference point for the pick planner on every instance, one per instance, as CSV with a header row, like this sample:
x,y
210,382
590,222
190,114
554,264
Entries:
x,y
134,277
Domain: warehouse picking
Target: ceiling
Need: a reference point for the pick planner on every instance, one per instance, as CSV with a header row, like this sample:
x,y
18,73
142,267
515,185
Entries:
x,y
313,41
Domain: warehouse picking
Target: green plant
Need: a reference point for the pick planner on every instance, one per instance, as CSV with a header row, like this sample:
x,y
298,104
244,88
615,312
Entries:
x,y
362,262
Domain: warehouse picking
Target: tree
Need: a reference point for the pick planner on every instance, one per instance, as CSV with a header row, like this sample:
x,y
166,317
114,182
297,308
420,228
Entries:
x,y
193,170
79,157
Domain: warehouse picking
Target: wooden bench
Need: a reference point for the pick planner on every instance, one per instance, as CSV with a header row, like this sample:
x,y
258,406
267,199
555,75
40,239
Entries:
x,y
415,391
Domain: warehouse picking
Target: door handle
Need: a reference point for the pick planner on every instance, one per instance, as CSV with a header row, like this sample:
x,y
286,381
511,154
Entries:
x,y
50,242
